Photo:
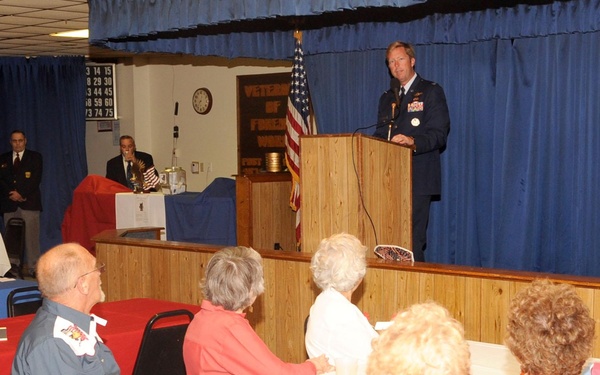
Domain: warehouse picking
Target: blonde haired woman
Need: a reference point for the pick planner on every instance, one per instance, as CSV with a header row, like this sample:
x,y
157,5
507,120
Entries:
x,y
423,340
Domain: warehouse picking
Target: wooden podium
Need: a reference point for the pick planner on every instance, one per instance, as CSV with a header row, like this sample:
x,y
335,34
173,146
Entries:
x,y
355,184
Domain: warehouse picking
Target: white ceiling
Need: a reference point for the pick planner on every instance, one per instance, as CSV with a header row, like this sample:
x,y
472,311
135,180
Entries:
x,y
26,25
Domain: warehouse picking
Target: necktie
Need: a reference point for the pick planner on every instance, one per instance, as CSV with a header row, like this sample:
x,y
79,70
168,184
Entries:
x,y
401,95
129,175
16,164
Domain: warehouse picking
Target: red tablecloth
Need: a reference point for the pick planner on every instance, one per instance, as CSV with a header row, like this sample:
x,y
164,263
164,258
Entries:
x,y
123,333
92,210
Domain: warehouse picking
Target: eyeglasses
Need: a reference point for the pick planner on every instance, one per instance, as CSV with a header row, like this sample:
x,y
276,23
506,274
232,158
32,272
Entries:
x,y
101,267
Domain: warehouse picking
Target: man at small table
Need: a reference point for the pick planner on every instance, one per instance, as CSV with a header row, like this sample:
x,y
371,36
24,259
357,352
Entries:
x,y
62,338
119,168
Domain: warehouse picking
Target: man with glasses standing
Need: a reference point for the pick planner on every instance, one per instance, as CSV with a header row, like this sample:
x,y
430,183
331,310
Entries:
x,y
418,118
20,195
62,337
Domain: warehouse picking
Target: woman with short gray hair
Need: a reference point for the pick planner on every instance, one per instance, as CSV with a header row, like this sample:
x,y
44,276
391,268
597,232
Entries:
x,y
336,327
219,339
236,278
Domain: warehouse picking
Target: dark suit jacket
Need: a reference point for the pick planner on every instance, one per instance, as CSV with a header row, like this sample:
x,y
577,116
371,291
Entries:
x,y
116,172
26,182
423,116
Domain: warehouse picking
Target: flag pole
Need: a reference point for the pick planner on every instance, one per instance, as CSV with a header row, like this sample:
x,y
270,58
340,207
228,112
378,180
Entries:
x,y
298,120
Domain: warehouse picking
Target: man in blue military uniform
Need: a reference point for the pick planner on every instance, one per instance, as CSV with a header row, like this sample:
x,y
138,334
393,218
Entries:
x,y
422,122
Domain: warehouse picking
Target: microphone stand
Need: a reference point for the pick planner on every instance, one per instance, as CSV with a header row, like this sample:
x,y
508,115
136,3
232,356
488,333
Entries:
x,y
391,122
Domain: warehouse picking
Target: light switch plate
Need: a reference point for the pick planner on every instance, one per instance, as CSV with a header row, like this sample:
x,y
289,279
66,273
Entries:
x,y
195,167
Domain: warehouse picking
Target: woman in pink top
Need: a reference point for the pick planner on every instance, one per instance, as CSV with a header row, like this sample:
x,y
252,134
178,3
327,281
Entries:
x,y
220,340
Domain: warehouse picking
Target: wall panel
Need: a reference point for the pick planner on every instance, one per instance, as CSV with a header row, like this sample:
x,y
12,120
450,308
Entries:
x,y
477,297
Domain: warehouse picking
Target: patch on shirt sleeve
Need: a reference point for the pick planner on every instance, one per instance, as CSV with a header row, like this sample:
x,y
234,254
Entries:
x,y
80,342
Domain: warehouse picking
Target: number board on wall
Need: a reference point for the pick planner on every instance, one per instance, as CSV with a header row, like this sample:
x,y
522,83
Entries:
x,y
100,94
262,107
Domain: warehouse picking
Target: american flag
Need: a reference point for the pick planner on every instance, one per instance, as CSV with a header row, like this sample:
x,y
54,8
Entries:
x,y
297,121
150,178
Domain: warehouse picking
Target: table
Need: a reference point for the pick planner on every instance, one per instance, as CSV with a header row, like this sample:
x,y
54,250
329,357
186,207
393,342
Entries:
x,y
123,333
141,210
208,217
4,261
92,210
6,287
496,359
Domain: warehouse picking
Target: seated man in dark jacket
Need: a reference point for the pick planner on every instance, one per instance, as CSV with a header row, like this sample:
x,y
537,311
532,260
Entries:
x,y
121,168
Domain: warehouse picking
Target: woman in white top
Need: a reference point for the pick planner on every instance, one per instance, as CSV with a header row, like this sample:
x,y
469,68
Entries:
x,y
336,327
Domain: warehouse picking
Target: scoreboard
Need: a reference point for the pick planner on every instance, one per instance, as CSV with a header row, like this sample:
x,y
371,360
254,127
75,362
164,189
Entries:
x,y
100,94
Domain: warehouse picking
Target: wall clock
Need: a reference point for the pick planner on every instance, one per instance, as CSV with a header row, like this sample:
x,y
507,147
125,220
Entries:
x,y
202,100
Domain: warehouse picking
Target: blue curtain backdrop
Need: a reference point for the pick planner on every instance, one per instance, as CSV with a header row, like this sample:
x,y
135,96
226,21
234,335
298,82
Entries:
x,y
171,26
520,170
45,98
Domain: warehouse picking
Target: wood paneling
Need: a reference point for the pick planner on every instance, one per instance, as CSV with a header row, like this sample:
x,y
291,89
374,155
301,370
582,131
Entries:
x,y
264,216
477,297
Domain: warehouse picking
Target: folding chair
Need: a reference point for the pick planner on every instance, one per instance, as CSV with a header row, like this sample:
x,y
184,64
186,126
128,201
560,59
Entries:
x,y
14,240
23,301
161,350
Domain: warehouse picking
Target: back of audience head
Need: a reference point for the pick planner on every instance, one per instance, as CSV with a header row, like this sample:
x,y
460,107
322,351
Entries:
x,y
59,268
234,278
423,340
550,330
68,274
339,263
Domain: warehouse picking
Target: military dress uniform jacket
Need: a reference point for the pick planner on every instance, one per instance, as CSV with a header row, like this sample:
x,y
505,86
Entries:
x,y
424,116
26,181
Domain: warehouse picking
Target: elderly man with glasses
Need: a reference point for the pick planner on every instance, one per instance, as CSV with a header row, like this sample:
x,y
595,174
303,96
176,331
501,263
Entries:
x,y
62,337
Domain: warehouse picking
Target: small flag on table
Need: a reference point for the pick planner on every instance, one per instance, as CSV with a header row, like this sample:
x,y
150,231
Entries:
x,y
151,180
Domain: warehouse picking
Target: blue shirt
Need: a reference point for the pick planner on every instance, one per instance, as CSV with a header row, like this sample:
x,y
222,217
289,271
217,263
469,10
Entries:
x,y
62,341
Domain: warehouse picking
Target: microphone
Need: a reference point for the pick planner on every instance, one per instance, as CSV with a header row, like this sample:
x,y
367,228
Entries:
x,y
176,108
392,120
395,84
376,125
386,121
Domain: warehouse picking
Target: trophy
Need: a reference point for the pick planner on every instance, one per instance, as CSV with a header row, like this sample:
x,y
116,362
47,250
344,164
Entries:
x,y
137,176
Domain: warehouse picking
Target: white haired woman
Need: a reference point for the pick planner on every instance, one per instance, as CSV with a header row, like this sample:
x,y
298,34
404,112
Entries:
x,y
219,340
336,327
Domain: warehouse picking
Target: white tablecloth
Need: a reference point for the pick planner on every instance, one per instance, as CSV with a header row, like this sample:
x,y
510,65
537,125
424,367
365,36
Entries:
x,y
495,359
4,262
141,210
492,359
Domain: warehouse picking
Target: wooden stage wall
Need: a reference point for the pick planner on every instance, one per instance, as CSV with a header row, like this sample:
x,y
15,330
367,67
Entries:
x,y
477,297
